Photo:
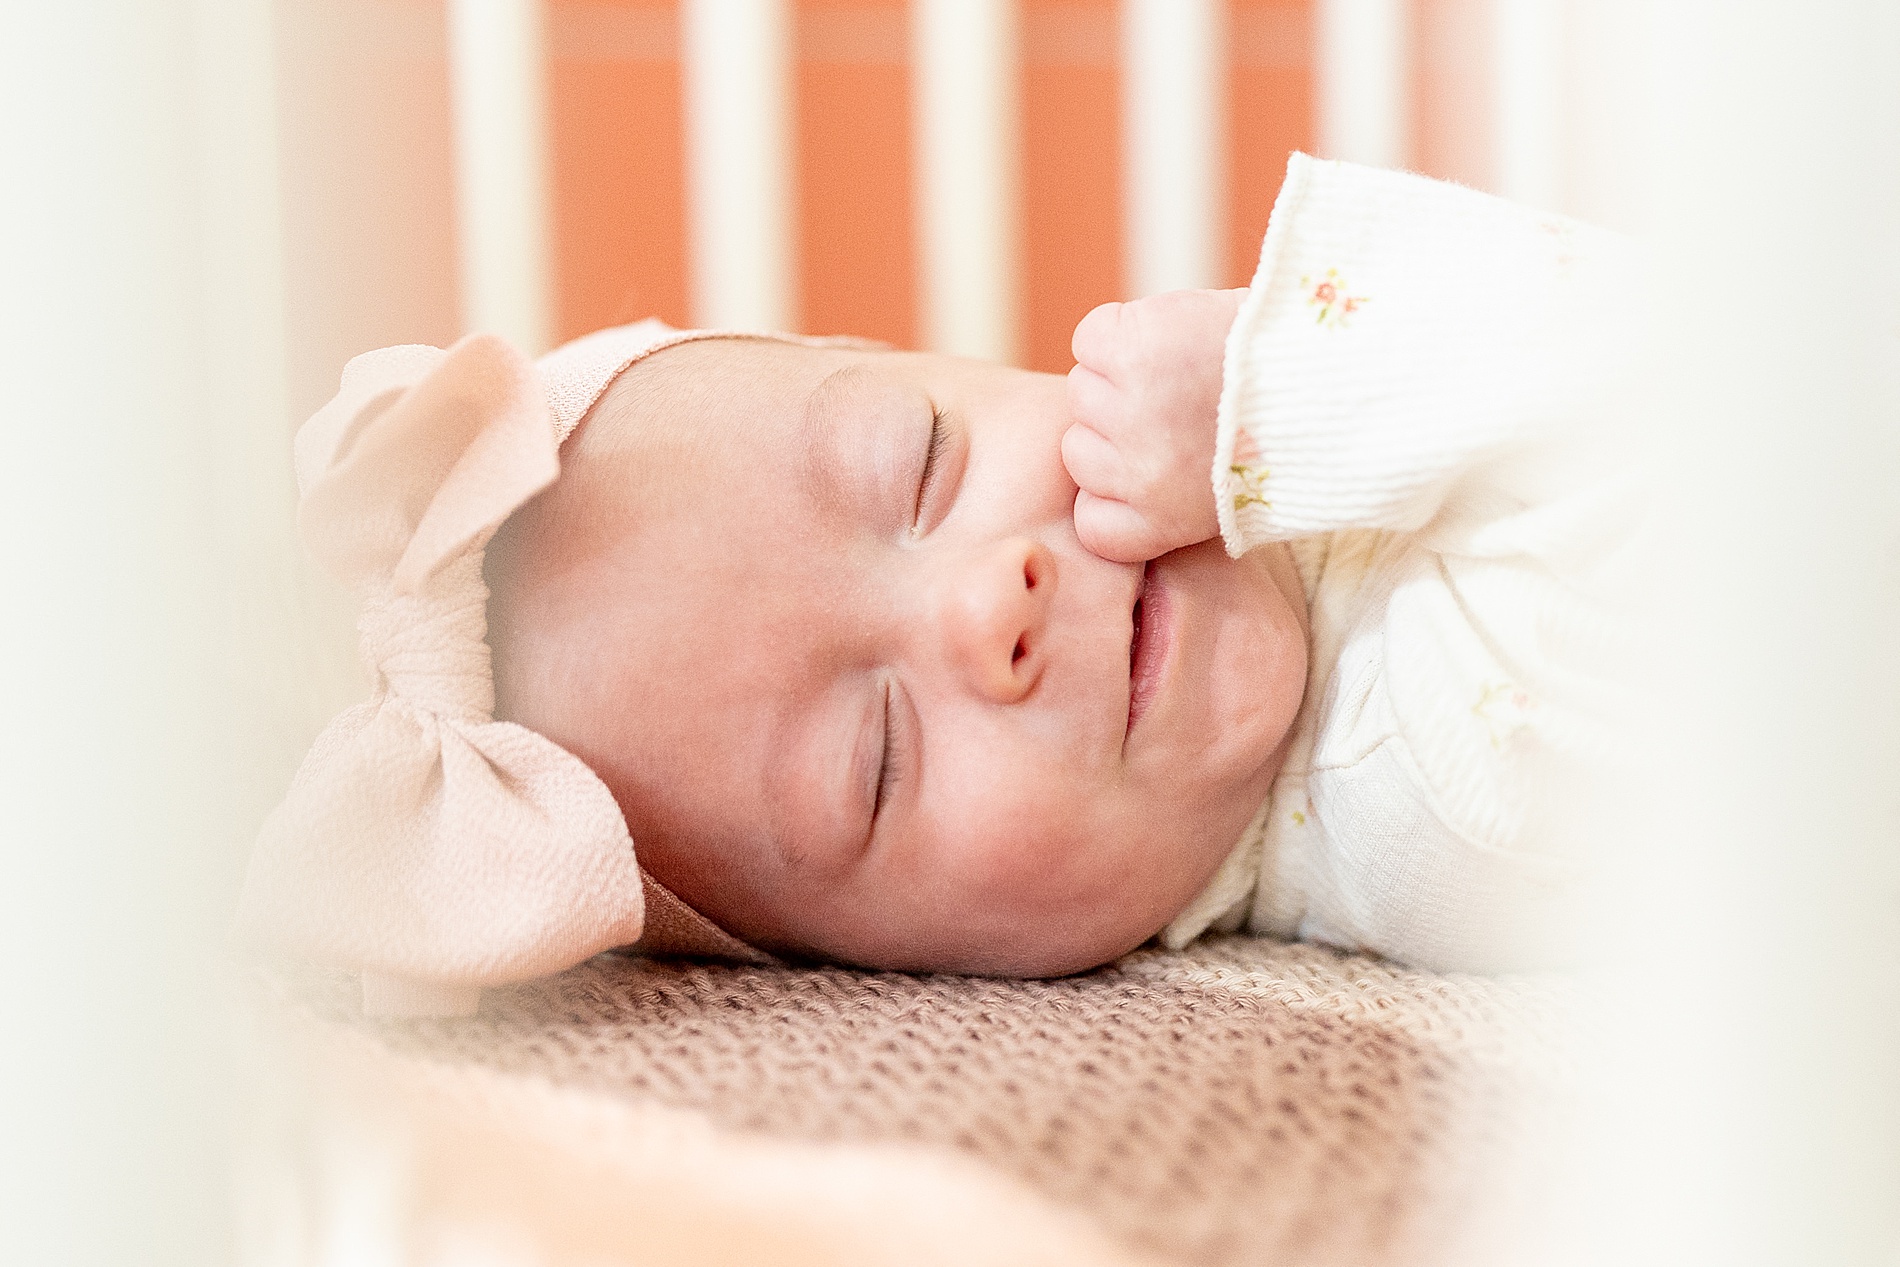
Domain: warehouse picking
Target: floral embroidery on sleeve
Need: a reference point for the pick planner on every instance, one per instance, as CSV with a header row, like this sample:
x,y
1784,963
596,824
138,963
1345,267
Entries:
x,y
1247,474
1564,244
1505,708
1329,295
1249,484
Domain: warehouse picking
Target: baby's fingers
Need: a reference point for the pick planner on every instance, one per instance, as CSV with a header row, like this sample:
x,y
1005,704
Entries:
x,y
1098,338
1094,464
1096,401
1113,530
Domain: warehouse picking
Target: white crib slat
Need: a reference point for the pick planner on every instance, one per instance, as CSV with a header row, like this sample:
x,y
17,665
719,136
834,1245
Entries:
x,y
1529,79
501,169
736,61
1363,108
1174,142
965,72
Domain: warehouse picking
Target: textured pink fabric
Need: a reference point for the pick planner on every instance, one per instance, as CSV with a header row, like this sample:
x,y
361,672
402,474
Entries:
x,y
424,844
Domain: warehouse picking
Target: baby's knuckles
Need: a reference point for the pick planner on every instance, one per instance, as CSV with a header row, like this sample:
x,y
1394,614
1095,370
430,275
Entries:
x,y
1180,340
1096,401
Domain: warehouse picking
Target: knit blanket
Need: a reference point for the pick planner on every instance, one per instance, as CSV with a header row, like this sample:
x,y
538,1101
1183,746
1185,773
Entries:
x,y
1242,1101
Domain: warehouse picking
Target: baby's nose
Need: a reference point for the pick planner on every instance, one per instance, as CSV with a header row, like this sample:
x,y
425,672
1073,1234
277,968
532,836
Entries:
x,y
994,613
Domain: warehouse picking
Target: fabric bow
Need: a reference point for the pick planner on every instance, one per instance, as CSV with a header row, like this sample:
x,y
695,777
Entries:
x,y
424,844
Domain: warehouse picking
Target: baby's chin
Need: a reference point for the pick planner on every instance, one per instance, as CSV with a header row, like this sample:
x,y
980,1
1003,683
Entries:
x,y
1107,891
1060,951
1087,936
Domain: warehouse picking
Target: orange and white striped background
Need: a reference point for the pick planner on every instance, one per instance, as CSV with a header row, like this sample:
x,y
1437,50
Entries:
x,y
395,118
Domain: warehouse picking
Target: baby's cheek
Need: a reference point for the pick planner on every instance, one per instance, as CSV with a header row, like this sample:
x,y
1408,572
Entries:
x,y
1033,853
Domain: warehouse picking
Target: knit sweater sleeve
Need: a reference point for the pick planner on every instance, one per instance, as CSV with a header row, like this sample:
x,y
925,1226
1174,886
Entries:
x,y
1399,333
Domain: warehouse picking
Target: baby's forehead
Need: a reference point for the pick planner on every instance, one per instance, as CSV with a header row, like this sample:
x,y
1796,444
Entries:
x,y
650,533
706,383
671,420
690,443
730,416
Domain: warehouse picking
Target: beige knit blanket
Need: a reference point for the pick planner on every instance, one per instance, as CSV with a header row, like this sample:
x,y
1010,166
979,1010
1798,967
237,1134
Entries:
x,y
1242,1101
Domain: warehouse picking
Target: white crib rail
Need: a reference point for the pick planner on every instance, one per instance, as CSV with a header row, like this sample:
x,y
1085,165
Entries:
x,y
736,60
965,66
1528,46
1363,81
505,245
1174,136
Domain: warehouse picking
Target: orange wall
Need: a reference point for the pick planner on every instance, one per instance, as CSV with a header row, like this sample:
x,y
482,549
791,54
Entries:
x,y
1270,107
1071,171
617,154
857,267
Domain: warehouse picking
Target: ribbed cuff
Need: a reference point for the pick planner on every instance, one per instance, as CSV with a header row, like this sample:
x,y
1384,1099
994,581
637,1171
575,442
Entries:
x,y
1397,330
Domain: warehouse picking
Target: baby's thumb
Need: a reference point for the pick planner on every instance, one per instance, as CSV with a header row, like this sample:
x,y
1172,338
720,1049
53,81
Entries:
x,y
1113,530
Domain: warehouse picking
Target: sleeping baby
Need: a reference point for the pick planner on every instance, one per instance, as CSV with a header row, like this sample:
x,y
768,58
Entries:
x,y
780,648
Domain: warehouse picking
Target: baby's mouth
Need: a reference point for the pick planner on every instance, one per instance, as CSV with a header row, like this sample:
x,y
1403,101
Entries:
x,y
1144,649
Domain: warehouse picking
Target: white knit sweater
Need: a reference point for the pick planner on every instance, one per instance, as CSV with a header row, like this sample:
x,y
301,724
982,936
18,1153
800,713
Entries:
x,y
1410,396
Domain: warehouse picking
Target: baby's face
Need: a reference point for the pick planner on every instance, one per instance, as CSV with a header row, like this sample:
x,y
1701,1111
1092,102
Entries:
x,y
820,620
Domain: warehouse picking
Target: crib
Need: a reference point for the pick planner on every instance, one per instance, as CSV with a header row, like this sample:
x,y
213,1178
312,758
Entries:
x,y
213,203
968,176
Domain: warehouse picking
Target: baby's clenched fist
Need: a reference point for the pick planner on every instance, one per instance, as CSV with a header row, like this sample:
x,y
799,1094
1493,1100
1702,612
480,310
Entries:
x,y
1144,393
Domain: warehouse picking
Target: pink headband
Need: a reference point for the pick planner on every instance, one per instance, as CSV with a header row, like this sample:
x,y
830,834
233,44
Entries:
x,y
423,844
